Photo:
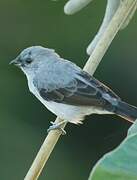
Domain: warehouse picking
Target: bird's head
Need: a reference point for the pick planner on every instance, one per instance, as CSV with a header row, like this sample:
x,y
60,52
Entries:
x,y
32,57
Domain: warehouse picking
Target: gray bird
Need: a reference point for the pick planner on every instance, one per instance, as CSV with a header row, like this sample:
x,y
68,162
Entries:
x,y
66,90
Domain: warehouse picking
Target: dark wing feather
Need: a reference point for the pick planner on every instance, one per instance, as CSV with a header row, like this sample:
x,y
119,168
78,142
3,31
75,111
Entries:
x,y
86,91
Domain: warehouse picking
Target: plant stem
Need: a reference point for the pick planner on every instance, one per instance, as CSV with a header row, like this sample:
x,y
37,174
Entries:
x,y
43,154
114,26
121,14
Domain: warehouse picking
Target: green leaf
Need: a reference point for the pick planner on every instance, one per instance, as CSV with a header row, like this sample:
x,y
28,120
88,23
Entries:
x,y
133,129
121,163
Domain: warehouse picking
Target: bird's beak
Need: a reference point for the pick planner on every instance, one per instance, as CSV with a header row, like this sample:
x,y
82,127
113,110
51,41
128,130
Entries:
x,y
15,61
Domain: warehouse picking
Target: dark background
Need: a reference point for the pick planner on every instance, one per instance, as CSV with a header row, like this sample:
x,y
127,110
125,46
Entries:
x,y
24,120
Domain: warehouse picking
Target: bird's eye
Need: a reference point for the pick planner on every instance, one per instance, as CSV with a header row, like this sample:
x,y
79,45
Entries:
x,y
28,61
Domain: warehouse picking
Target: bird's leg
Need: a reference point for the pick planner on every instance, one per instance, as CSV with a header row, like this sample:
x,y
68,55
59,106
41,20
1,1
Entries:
x,y
57,126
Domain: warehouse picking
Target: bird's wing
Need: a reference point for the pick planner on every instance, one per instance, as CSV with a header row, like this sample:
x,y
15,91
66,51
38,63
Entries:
x,y
82,90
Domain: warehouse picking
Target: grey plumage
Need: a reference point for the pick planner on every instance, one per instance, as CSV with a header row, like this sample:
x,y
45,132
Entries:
x,y
66,89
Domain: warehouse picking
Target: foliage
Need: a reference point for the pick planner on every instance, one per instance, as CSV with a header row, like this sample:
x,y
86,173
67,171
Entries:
x,y
121,163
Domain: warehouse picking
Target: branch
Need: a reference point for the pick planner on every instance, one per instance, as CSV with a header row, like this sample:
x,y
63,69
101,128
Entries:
x,y
112,7
123,12
120,16
73,6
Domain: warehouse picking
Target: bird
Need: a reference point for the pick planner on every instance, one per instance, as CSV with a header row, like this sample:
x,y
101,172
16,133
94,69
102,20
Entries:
x,y
66,90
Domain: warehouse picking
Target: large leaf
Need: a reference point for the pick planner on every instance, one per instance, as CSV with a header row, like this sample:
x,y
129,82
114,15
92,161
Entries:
x,y
121,163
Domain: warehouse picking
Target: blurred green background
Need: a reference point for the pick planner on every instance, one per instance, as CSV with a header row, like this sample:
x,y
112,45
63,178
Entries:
x,y
24,120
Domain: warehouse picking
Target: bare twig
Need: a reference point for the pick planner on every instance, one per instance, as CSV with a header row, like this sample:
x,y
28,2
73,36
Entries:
x,y
73,6
121,14
112,6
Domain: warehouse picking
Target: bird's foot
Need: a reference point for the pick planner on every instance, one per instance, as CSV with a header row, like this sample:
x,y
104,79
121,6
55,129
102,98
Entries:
x,y
57,126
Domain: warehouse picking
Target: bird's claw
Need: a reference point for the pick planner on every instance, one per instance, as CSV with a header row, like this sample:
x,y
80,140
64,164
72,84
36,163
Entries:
x,y
56,126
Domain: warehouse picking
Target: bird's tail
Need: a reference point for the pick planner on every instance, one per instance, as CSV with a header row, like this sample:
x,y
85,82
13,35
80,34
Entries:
x,y
126,111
